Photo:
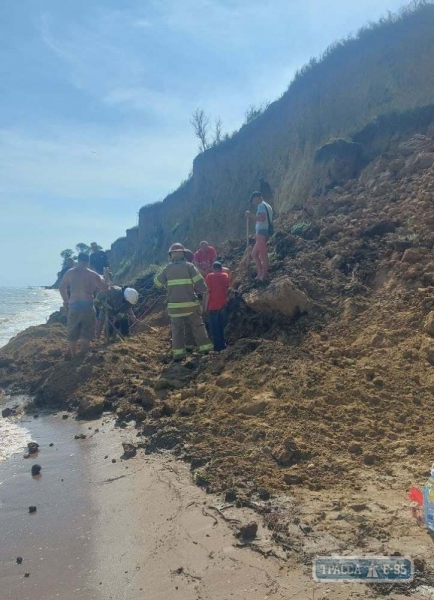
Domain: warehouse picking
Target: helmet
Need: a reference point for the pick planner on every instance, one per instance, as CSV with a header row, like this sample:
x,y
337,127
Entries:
x,y
131,295
176,248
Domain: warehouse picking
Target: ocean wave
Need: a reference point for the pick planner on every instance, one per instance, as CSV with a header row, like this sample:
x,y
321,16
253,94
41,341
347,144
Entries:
x,y
13,439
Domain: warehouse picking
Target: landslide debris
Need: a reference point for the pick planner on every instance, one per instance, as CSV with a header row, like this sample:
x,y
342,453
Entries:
x,y
329,404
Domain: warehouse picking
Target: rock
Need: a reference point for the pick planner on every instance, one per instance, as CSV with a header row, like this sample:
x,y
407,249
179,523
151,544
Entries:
x,y
411,449
51,445
36,416
379,229
129,450
32,509
412,256
19,560
36,469
113,460
396,165
8,412
225,381
280,296
33,447
26,574
370,459
355,448
65,416
428,325
80,436
424,160
248,532
230,496
187,408
91,407
358,507
288,454
253,408
163,383
292,479
264,494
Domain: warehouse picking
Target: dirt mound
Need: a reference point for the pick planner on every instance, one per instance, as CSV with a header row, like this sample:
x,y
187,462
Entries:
x,y
335,401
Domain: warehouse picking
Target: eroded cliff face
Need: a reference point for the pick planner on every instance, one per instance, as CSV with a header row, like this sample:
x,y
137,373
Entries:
x,y
387,69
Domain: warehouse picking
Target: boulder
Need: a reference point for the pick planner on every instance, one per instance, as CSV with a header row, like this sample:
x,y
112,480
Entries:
x,y
8,412
280,296
396,165
248,532
91,407
129,450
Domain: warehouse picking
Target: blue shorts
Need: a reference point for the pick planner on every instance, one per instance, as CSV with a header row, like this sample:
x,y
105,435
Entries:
x,y
264,232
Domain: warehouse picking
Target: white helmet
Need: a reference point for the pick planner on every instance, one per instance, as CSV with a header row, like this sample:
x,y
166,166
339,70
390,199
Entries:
x,y
131,295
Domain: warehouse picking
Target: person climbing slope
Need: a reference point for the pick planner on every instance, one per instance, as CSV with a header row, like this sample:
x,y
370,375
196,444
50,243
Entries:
x,y
183,282
264,229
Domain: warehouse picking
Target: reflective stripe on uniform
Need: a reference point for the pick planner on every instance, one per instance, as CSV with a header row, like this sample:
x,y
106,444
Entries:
x,y
179,282
197,278
206,348
157,282
183,304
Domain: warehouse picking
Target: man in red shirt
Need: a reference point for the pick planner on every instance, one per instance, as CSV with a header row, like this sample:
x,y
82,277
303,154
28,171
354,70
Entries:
x,y
204,258
218,285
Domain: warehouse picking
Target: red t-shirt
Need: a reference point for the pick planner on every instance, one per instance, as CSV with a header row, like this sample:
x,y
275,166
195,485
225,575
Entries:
x,y
205,259
218,285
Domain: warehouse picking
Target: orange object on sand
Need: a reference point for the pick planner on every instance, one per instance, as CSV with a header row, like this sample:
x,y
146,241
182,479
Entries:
x,y
416,495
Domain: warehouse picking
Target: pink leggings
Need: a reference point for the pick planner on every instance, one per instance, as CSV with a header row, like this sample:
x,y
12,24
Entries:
x,y
260,255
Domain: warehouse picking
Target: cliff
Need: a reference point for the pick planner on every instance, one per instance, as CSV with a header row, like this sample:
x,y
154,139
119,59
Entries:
x,y
385,70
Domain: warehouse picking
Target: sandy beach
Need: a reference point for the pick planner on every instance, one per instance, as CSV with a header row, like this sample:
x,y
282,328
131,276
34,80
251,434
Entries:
x,y
131,529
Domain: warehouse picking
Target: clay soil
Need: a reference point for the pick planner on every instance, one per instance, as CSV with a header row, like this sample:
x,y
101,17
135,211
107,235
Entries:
x,y
321,421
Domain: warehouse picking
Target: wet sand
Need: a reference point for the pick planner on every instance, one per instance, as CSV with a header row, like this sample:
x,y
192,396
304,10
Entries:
x,y
55,541
132,529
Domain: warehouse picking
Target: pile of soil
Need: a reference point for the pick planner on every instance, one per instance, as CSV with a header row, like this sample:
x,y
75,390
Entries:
x,y
330,405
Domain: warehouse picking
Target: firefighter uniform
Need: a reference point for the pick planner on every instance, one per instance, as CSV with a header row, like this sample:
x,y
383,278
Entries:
x,y
183,282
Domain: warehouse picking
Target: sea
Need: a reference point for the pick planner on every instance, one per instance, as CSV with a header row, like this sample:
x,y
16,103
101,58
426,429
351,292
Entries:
x,y
20,307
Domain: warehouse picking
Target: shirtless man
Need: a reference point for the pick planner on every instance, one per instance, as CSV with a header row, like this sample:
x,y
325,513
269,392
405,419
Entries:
x,y
83,283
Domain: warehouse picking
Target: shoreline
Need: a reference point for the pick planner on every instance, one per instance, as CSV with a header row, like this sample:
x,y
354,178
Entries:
x,y
133,529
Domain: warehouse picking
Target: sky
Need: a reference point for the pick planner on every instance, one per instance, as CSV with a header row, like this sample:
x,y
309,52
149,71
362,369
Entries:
x,y
96,101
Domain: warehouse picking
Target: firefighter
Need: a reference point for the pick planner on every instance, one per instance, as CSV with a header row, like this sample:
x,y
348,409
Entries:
x,y
183,282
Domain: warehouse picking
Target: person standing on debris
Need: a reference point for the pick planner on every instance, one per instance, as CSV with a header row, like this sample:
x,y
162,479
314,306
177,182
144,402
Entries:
x,y
118,303
82,284
98,259
204,258
218,285
263,228
183,283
